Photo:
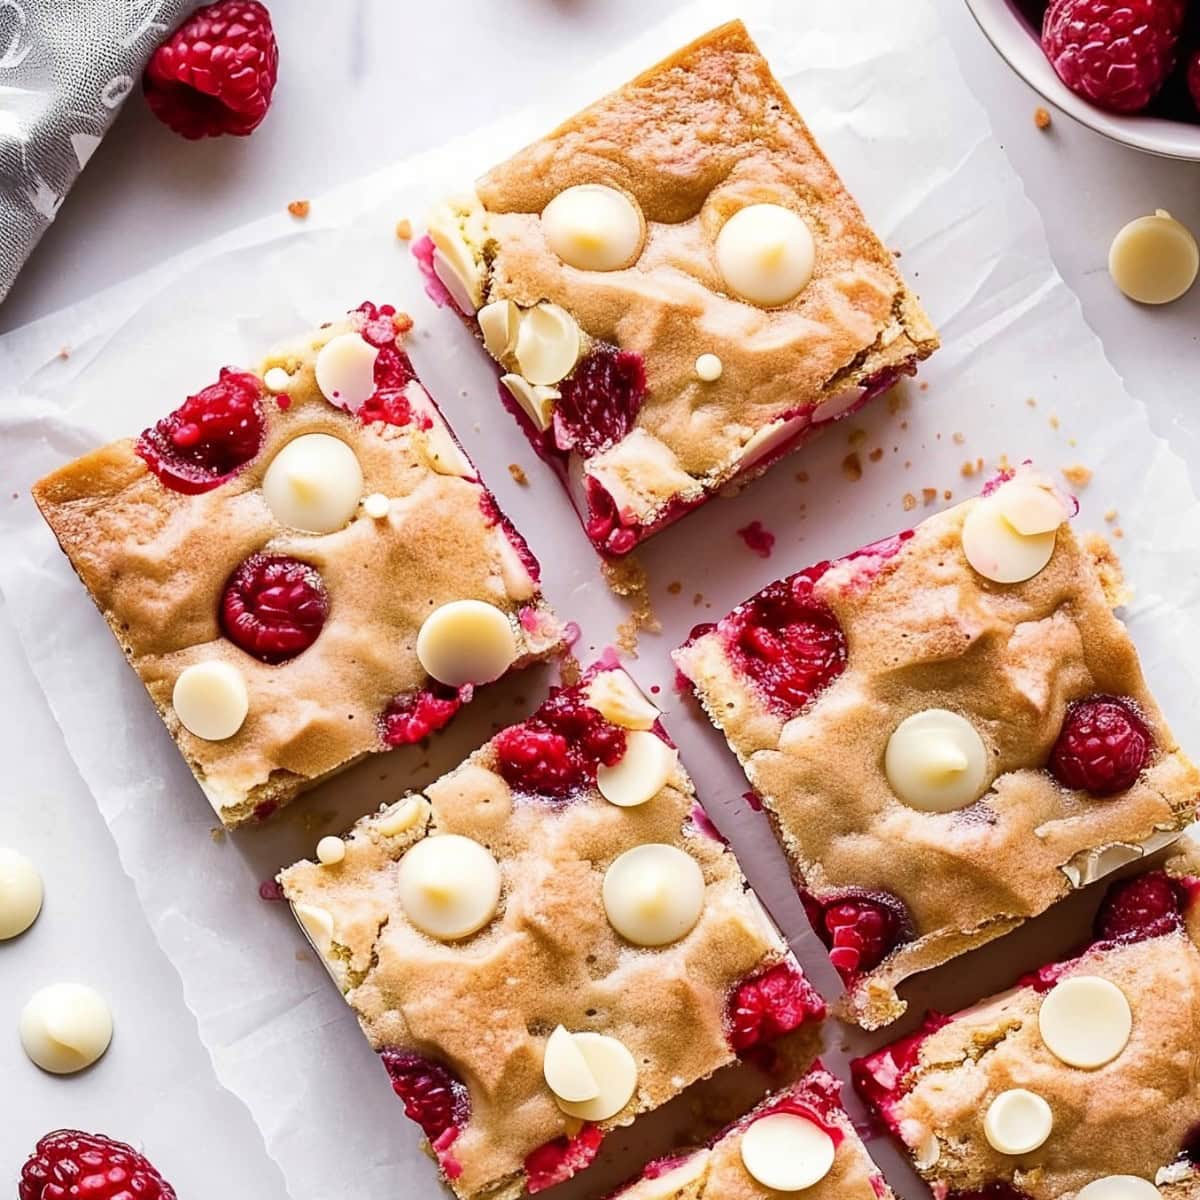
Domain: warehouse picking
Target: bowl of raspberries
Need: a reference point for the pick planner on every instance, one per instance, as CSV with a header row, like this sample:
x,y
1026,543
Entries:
x,y
1129,69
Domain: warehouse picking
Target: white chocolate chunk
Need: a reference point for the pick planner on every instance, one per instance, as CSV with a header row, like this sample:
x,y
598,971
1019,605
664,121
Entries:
x,y
615,1073
21,893
1029,507
317,922
640,773
331,851
66,1027
765,253
997,550
313,484
346,370
593,227
454,261
548,343
1120,1187
403,816
376,505
448,886
1085,1021
466,641
276,379
566,1071
446,456
653,894
936,761
618,699
787,1152
537,401
1154,259
1017,1122
210,700
519,585
498,322
709,367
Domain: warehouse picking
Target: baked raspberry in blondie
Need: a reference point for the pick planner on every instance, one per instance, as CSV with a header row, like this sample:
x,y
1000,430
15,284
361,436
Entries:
x,y
797,1140
678,288
1082,1081
949,730
547,942
301,564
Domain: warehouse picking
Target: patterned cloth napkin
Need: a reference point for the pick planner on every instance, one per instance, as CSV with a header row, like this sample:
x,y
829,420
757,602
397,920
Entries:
x,y
66,67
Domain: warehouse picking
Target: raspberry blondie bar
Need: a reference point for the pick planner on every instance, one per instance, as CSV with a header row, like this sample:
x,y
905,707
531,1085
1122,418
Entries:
x,y
677,287
549,941
949,730
799,1139
1079,1082
301,564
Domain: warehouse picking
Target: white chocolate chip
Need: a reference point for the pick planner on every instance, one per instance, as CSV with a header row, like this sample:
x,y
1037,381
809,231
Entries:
x,y
618,699
317,923
448,886
519,585
346,370
402,816
466,641
1154,259
787,1152
377,505
997,550
210,700
537,401
640,773
615,1073
331,851
313,484
21,893
454,261
566,1071
1120,1187
1085,1021
1017,1122
709,367
936,761
593,227
498,322
1029,507
768,439
276,379
653,894
765,253
66,1027
548,343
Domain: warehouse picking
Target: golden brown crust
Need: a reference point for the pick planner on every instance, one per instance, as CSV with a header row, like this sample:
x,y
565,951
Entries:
x,y
155,562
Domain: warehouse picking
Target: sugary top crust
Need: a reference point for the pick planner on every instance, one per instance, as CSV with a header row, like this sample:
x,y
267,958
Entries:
x,y
925,631
486,1005
694,139
156,562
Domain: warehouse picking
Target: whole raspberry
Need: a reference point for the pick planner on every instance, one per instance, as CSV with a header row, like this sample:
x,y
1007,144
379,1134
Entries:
x,y
1102,747
1139,908
433,1095
209,436
860,930
559,1160
1115,53
69,1165
767,1006
273,607
409,718
216,72
600,401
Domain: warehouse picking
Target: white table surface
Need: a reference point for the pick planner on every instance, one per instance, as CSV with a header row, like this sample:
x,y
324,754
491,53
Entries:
x,y
362,82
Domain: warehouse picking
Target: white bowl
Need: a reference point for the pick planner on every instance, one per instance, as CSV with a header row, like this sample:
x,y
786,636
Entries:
x,y
1018,45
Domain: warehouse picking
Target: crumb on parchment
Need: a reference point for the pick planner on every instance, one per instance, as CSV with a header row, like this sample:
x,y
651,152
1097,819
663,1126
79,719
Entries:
x,y
299,209
518,473
404,229
627,577
570,671
909,502
674,587
852,467
402,322
1110,515
1077,475
1041,117
959,439
928,496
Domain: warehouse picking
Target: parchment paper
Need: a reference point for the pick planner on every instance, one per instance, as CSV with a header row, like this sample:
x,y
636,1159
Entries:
x,y
1020,375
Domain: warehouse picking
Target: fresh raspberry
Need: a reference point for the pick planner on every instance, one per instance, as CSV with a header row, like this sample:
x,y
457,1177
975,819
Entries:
x,y
788,640
1143,907
559,1160
274,607
1115,53
209,436
216,72
411,717
1102,747
767,1006
608,529
433,1095
860,929
69,1165
600,401
881,1078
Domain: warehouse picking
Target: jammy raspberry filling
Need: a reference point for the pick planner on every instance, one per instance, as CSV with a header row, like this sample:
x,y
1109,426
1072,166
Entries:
x,y
767,1006
409,718
433,1096
561,1159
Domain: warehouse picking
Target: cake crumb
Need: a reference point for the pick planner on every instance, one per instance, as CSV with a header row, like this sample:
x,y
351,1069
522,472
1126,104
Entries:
x,y
401,322
947,495
518,473
627,577
1110,515
924,385
404,229
801,476
1077,475
928,496
1054,421
1041,117
968,469
674,587
217,834
852,467
857,437
910,502
697,599
1031,401
299,209
64,352
570,672
1118,532
959,439
876,454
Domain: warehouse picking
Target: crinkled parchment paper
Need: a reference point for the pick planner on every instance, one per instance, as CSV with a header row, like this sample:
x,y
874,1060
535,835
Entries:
x,y
1020,375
